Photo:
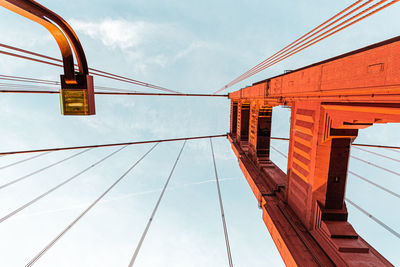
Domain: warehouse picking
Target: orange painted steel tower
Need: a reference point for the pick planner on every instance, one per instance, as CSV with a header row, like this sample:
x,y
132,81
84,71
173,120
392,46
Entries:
x,y
330,101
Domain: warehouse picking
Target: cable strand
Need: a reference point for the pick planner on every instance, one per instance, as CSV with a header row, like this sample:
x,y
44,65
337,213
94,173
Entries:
x,y
221,206
9,215
63,232
139,245
41,169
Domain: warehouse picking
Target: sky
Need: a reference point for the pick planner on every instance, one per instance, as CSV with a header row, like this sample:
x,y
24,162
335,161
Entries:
x,y
188,46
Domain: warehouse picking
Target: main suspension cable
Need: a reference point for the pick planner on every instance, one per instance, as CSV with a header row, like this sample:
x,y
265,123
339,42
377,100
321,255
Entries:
x,y
146,229
221,206
114,144
294,47
9,215
48,246
41,169
374,218
322,36
299,41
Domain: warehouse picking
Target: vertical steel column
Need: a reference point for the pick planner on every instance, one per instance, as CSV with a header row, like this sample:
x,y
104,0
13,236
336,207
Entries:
x,y
243,123
234,117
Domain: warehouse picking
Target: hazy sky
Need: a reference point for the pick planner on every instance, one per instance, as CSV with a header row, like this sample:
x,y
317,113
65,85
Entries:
x,y
189,46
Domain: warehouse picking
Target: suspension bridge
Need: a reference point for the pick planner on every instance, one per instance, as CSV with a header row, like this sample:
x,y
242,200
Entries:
x,y
303,198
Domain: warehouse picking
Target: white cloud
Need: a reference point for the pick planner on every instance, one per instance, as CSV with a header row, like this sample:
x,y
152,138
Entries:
x,y
146,43
118,32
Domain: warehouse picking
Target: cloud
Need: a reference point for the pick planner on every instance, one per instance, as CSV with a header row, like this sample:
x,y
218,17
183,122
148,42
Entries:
x,y
148,44
119,33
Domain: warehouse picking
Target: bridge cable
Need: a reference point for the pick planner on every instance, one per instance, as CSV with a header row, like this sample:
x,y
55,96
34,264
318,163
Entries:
x,y
114,144
374,184
26,79
139,245
101,73
353,173
358,207
360,145
296,50
279,152
42,169
48,246
22,88
378,154
298,41
91,70
311,42
228,248
267,63
374,218
112,93
375,165
24,160
12,86
46,82
362,160
9,215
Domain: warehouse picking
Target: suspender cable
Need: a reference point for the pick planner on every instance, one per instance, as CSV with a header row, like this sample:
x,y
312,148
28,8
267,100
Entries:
x,y
221,206
355,174
146,229
293,48
57,186
395,148
7,87
378,154
374,184
41,169
27,80
279,152
30,58
24,160
110,93
374,218
357,158
17,87
46,248
115,144
375,165
91,70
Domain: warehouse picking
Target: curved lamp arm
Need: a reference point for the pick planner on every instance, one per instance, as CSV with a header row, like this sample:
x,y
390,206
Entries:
x,y
65,36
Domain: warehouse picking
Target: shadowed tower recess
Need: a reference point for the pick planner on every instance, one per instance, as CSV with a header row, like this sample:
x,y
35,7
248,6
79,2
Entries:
x,y
330,101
